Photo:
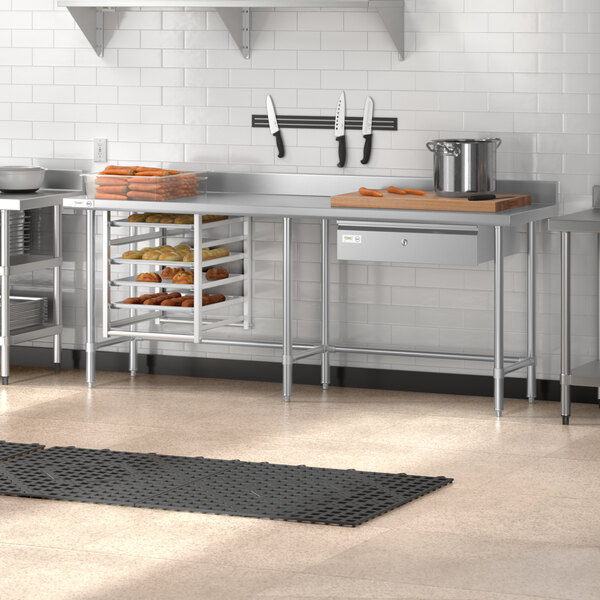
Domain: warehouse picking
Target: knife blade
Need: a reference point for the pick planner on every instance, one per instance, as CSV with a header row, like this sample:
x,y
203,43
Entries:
x,y
274,127
340,129
367,129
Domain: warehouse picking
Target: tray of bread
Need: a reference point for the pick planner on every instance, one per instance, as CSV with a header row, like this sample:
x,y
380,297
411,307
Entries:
x,y
178,277
175,301
170,220
181,255
149,184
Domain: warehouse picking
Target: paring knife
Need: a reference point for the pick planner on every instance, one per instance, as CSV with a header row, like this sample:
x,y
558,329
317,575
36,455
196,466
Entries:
x,y
367,129
340,129
274,127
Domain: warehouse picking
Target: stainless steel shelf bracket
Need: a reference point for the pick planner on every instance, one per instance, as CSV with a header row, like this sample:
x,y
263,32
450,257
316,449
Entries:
x,y
238,21
91,22
392,15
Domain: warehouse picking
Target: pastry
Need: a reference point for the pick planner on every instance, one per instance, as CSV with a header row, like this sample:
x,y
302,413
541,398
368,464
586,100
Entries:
x,y
149,277
189,303
132,254
132,301
184,219
137,218
168,272
151,255
214,253
184,278
169,256
172,302
216,274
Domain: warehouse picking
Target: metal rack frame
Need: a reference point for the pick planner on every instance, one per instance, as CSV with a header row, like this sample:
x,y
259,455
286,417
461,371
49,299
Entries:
x,y
200,318
27,263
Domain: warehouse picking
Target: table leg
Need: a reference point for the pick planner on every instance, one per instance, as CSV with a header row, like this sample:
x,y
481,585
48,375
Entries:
x,y
498,320
325,371
90,345
531,324
287,359
565,328
58,318
5,293
598,254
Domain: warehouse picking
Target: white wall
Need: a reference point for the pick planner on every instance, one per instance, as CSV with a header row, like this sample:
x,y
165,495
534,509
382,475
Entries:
x,y
172,88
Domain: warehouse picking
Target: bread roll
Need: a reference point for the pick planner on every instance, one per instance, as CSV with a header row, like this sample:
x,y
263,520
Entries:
x,y
132,301
172,302
168,272
154,219
174,295
170,256
149,277
189,257
183,248
184,278
167,220
151,255
137,218
214,253
189,303
216,273
184,219
214,298
132,254
154,301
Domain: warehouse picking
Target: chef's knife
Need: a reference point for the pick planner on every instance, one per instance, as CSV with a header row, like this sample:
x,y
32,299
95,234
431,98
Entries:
x,y
367,129
274,127
340,129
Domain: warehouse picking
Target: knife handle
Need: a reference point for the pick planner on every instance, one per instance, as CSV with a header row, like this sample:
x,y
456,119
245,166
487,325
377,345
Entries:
x,y
342,151
367,149
280,146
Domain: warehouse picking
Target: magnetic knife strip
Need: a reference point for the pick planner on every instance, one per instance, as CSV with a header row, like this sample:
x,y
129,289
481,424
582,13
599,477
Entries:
x,y
296,122
197,484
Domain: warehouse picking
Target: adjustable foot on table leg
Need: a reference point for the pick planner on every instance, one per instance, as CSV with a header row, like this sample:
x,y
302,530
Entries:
x,y
91,385
287,398
133,373
531,399
57,367
5,381
498,413
325,386
565,420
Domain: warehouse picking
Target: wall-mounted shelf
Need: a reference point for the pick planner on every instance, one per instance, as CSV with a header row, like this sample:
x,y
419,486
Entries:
x,y
236,14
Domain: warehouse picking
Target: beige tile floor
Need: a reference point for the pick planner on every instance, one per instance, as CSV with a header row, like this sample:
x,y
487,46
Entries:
x,y
521,521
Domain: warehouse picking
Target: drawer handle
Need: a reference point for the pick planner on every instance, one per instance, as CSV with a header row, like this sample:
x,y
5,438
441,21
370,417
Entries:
x,y
405,242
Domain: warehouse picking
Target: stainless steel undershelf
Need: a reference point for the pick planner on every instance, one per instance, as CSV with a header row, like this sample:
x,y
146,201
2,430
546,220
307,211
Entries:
x,y
587,374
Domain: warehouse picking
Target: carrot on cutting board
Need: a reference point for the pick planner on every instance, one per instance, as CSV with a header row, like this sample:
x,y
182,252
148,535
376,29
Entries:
x,y
367,192
414,192
395,190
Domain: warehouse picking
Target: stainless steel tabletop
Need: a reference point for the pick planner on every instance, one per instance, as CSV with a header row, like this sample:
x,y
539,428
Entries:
x,y
308,196
39,199
584,221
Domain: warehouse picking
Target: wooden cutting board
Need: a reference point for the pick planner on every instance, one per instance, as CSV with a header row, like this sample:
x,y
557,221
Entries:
x,y
431,202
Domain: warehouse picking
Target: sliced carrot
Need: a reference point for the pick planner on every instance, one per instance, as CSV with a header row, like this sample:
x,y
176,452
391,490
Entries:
x,y
111,197
414,192
395,190
367,192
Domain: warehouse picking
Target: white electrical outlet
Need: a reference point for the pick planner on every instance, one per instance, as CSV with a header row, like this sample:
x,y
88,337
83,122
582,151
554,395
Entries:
x,y
100,149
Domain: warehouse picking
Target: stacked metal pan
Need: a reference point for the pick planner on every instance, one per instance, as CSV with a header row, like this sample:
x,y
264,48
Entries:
x,y
20,234
27,312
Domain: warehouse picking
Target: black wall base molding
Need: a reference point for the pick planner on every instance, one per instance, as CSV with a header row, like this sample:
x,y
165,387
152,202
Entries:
x,y
380,379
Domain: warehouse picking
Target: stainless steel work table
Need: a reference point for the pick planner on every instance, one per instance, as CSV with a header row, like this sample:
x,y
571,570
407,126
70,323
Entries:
x,y
288,196
58,185
587,221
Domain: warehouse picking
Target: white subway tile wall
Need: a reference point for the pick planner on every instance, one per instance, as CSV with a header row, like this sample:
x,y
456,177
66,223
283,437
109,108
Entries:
x,y
172,88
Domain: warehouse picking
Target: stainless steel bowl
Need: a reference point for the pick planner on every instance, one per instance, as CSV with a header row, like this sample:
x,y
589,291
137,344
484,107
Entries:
x,y
21,179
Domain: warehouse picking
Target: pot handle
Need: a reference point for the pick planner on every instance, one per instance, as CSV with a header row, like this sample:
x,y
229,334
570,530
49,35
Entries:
x,y
498,141
448,148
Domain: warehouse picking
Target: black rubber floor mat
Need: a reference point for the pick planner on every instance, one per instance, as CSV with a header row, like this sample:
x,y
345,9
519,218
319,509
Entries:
x,y
196,484
10,450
